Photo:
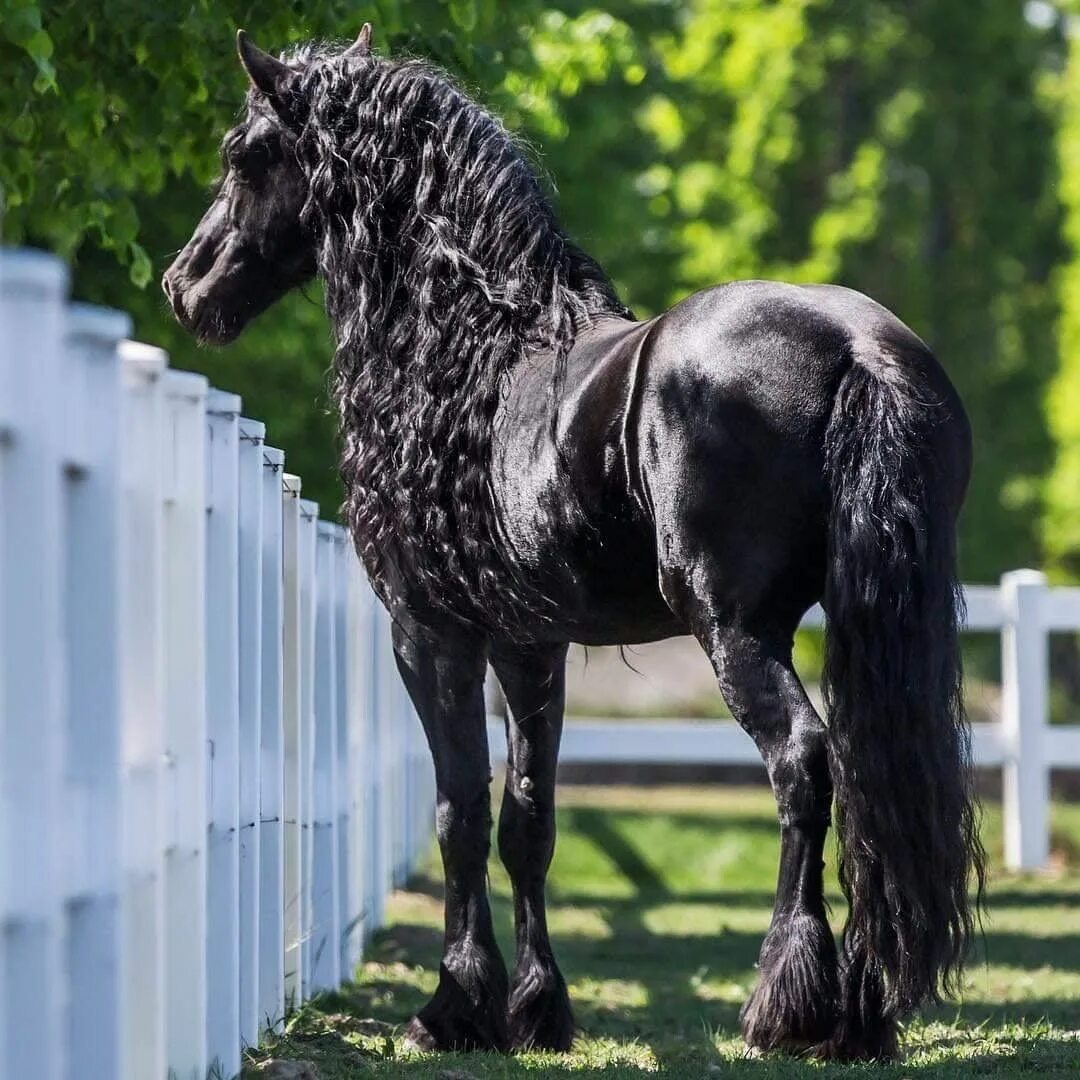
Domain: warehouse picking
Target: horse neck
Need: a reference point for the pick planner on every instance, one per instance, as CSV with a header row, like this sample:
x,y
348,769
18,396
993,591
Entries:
x,y
567,286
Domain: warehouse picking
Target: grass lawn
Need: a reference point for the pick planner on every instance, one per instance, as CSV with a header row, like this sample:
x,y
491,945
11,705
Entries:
x,y
659,900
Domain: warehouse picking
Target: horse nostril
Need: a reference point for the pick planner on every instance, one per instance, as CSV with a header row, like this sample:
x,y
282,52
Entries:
x,y
174,294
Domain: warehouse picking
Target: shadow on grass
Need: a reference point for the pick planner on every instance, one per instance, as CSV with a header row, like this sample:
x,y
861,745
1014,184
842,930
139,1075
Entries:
x,y
670,994
1009,897
630,863
1025,951
326,1037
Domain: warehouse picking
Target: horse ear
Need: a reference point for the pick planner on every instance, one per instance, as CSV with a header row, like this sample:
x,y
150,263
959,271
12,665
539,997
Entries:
x,y
265,71
362,45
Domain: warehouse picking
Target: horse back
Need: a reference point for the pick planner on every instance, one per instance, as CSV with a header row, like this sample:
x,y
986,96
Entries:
x,y
690,444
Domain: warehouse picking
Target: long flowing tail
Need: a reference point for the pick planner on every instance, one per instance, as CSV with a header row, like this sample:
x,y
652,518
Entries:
x,y
906,816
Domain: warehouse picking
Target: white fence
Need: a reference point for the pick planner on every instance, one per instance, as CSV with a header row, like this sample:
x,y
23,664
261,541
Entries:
x,y
1024,610
210,777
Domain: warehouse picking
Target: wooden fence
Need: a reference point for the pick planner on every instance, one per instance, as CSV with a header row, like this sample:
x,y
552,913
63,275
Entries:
x,y
210,777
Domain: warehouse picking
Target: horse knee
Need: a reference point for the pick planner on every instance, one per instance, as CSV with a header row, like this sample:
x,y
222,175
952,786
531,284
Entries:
x,y
463,820
766,697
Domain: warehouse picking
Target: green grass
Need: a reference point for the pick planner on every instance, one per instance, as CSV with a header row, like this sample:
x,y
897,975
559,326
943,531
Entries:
x,y
659,900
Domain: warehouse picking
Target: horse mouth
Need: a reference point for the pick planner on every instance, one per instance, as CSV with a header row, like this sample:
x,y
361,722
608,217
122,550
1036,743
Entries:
x,y
209,324
214,328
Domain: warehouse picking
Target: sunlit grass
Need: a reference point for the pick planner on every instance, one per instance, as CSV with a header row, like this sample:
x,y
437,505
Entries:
x,y
659,899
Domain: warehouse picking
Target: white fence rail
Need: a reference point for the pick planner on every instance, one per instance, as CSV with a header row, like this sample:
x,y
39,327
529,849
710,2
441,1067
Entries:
x,y
1023,609
210,777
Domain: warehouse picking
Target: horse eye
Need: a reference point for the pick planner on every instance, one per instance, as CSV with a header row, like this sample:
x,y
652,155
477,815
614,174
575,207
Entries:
x,y
250,163
243,168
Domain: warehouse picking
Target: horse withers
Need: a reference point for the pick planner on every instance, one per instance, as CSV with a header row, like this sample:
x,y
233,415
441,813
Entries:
x,y
526,465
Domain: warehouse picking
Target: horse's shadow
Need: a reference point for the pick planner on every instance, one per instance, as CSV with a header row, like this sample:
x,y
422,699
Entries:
x,y
676,1012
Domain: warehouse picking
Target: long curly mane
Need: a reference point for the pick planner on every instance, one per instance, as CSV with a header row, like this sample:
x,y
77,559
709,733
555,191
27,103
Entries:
x,y
444,264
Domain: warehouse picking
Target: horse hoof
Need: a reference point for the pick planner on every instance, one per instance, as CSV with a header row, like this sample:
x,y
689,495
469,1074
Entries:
x,y
451,1034
793,1006
540,1014
417,1037
881,1045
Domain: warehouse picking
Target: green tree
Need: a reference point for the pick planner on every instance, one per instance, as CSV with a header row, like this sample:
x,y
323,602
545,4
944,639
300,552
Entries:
x,y
1062,522
911,151
110,119
904,150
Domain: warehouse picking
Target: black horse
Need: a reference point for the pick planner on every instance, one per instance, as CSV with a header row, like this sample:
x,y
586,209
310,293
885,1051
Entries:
x,y
526,465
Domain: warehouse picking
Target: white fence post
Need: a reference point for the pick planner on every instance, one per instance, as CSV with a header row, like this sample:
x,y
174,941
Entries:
x,y
1025,678
361,698
380,758
32,288
92,612
292,743
223,731
346,867
272,896
143,735
184,453
326,929
250,587
309,519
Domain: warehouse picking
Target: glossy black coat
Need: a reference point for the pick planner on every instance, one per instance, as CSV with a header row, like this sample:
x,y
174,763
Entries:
x,y
689,458
714,471
683,487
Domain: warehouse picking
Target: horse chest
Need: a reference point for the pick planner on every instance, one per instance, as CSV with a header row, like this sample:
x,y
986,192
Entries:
x,y
574,523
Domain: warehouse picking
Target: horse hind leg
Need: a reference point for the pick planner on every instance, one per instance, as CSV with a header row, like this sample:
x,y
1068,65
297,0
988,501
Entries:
x,y
793,1007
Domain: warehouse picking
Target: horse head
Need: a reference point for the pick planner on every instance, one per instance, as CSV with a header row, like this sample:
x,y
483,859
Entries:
x,y
251,246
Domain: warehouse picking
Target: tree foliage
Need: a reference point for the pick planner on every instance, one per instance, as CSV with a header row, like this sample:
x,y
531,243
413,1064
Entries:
x,y
1062,510
105,105
904,150
911,151
110,119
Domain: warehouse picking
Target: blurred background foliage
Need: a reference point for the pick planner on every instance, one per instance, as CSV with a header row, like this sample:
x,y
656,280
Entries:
x,y
927,153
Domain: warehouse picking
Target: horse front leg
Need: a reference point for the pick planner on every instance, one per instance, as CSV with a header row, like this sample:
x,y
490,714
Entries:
x,y
444,673
533,681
